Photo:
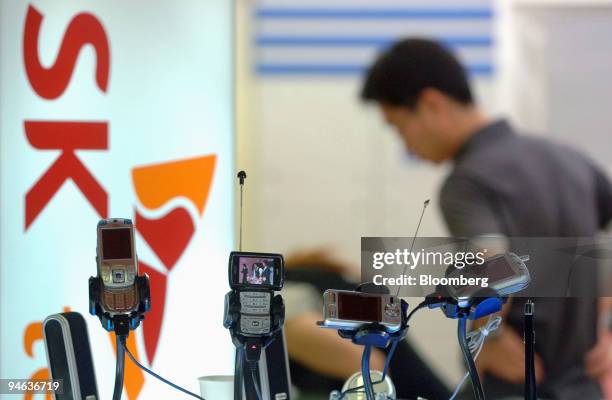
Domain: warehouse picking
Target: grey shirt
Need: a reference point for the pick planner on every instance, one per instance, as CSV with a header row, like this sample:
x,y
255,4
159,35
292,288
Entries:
x,y
517,185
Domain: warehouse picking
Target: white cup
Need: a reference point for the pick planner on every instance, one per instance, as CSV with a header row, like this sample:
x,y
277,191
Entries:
x,y
217,387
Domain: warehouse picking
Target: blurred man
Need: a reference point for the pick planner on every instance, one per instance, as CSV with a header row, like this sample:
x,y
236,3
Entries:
x,y
506,184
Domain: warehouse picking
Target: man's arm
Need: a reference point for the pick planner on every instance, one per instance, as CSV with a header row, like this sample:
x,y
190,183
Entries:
x,y
323,350
469,208
319,349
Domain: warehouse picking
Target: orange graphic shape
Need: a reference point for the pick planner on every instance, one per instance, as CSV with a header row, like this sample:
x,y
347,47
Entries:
x,y
40,375
157,184
33,333
133,378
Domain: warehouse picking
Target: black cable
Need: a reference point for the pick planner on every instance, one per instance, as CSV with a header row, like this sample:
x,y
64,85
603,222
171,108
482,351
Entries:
x,y
167,382
120,368
414,310
253,368
238,381
389,355
384,374
365,372
467,355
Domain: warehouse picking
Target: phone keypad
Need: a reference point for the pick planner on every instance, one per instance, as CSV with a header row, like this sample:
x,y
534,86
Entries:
x,y
255,302
255,325
120,301
255,312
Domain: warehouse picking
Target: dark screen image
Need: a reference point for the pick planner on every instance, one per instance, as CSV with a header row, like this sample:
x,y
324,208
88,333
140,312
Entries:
x,y
116,243
496,270
256,271
359,308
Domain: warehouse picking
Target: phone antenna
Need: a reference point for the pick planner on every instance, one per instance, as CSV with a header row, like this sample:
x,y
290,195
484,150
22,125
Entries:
x,y
416,232
241,178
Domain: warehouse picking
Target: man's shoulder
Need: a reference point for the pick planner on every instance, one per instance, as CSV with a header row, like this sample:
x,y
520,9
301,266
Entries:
x,y
514,153
462,182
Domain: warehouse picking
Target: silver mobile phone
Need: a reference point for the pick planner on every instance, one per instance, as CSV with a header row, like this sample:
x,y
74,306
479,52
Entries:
x,y
117,265
506,274
344,309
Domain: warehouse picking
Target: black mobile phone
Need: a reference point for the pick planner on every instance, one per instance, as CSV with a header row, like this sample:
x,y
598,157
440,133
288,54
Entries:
x,y
256,271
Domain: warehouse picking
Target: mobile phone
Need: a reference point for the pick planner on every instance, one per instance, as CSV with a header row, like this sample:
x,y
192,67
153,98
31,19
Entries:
x,y
256,271
506,274
345,309
253,278
117,265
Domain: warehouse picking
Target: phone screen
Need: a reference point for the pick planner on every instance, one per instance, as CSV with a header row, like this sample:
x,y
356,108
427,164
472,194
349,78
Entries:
x,y
256,270
496,269
359,308
116,243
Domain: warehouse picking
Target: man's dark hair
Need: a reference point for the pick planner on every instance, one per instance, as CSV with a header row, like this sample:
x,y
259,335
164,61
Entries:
x,y
411,65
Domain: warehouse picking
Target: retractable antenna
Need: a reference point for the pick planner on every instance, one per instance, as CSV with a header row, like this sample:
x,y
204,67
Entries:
x,y
416,232
241,177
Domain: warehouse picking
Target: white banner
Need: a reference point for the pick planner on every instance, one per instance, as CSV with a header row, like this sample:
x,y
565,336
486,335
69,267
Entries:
x,y
117,109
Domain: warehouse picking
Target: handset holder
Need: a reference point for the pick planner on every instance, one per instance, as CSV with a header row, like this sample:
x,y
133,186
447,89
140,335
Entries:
x,y
231,322
374,334
121,324
249,347
485,302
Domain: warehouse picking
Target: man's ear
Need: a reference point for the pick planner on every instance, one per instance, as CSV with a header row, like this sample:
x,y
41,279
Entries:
x,y
433,101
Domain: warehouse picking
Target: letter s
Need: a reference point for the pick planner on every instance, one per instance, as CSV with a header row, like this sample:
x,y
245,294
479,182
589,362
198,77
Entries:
x,y
84,29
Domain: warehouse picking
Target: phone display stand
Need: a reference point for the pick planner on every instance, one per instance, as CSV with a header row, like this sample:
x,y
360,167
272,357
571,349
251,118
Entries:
x,y
385,389
121,323
249,344
249,348
374,335
484,303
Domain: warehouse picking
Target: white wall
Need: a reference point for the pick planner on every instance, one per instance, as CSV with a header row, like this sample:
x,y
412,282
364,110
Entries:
x,y
559,79
325,170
